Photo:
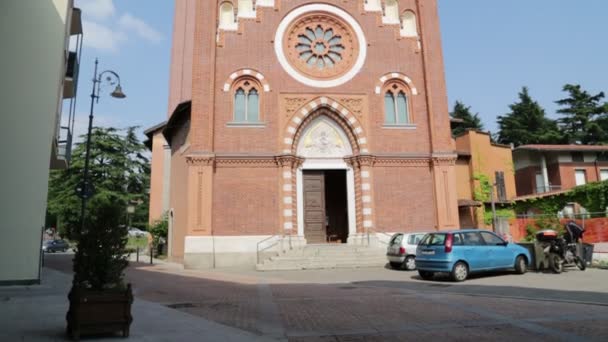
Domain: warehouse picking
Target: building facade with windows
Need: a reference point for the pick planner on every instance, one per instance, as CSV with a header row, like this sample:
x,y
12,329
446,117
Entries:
x,y
541,169
317,122
41,43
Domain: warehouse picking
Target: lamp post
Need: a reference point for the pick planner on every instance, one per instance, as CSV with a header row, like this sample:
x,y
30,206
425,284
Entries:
x,y
111,78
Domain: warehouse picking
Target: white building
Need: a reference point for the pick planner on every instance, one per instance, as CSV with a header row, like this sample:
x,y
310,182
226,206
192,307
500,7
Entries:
x,y
41,42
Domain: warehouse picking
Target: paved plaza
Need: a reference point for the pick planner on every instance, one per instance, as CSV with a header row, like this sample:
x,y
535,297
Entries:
x,y
368,304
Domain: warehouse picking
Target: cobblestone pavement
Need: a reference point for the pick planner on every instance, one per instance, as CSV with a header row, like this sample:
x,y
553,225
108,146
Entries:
x,y
380,304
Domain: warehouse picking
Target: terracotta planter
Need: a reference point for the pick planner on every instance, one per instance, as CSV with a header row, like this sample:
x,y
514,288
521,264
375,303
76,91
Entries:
x,y
99,312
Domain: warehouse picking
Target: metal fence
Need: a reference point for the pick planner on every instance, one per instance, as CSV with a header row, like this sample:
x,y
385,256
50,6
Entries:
x,y
594,223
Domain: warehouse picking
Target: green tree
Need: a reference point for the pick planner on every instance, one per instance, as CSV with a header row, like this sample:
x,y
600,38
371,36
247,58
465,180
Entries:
x,y
160,229
527,123
100,257
584,116
466,119
118,167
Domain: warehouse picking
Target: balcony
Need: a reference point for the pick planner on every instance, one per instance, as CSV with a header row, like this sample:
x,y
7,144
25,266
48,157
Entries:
x,y
62,149
547,189
71,75
72,60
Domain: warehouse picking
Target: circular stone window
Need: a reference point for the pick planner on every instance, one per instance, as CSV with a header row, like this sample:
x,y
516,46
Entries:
x,y
320,45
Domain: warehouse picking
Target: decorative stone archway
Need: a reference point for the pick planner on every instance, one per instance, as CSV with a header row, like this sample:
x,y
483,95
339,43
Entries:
x,y
341,144
333,109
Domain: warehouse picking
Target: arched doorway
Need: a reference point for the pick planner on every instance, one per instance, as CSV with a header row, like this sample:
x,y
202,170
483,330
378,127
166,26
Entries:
x,y
325,182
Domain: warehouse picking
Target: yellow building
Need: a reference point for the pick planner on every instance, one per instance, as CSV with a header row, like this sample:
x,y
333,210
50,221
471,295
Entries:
x,y
479,157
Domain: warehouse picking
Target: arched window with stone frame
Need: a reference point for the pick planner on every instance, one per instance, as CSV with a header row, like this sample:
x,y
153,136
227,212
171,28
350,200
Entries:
x,y
372,5
391,12
226,16
397,106
246,9
409,27
246,101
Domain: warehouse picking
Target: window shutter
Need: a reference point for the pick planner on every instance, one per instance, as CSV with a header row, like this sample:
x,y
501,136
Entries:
x,y
500,186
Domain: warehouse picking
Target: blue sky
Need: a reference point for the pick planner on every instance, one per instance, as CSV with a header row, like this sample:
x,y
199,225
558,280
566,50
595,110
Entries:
x,y
491,50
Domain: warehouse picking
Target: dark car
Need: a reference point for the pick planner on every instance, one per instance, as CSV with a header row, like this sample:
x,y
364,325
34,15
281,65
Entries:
x,y
53,246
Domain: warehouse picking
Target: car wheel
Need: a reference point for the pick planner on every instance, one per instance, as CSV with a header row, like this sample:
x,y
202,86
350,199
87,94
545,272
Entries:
x,y
460,272
521,266
426,275
395,265
409,264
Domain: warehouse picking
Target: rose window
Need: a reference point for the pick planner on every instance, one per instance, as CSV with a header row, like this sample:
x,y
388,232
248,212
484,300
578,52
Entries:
x,y
320,48
321,45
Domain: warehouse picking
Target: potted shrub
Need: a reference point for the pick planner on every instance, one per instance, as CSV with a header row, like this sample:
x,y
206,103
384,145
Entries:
x,y
100,301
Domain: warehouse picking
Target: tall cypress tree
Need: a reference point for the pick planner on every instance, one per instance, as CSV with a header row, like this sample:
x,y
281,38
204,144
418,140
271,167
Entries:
x,y
465,119
584,116
527,123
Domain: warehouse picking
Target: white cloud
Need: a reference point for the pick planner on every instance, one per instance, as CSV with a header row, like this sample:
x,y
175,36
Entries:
x,y
130,23
98,9
101,37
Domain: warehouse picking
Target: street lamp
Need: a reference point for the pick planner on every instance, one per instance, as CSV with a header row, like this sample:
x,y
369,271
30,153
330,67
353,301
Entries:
x,y
111,78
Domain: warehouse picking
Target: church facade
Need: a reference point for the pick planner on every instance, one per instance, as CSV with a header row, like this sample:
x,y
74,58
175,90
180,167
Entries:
x,y
317,122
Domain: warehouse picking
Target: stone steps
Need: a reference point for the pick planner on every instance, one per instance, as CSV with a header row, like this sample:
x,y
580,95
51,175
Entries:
x,y
314,257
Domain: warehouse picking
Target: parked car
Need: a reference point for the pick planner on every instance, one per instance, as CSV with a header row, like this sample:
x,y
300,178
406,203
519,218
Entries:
x,y
462,252
52,246
401,250
136,232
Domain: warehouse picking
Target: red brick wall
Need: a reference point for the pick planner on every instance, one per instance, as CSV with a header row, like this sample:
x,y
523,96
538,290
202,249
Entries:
x,y
404,199
245,201
252,47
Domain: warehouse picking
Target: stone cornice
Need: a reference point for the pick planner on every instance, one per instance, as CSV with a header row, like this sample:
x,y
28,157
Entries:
x,y
402,161
289,160
444,159
225,161
200,159
389,160
292,161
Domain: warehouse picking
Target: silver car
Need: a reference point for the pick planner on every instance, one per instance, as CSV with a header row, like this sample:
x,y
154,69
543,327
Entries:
x,y
401,251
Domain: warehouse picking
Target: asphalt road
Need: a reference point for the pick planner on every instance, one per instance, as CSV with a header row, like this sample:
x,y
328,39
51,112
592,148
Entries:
x,y
379,304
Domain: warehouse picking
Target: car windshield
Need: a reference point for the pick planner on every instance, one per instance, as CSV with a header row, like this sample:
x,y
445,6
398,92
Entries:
x,y
433,240
396,239
415,239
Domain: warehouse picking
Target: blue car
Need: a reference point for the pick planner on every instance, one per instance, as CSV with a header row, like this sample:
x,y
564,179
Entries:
x,y
462,252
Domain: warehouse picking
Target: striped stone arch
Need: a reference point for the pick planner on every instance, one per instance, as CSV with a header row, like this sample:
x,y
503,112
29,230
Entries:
x,y
349,122
246,72
395,76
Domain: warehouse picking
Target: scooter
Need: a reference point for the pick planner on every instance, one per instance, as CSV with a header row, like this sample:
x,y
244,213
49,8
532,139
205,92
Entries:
x,y
562,251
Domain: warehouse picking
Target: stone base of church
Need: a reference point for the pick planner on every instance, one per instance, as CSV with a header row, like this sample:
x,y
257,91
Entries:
x,y
204,252
373,240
